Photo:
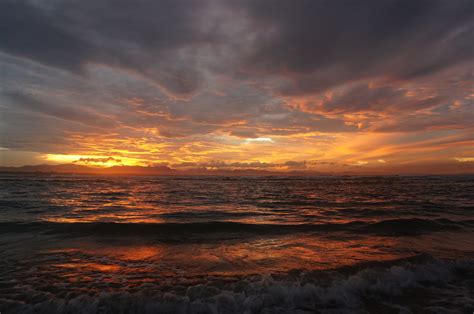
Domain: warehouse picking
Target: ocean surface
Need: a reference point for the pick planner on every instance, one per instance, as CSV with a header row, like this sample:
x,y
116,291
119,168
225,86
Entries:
x,y
348,244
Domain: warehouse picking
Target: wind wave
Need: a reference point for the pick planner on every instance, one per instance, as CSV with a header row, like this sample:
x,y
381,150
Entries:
x,y
389,227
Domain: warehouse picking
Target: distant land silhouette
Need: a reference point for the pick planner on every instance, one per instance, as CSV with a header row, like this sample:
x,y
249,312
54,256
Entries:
x,y
163,170
152,170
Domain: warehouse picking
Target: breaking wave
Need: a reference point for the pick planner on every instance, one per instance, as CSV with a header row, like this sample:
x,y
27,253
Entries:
x,y
417,284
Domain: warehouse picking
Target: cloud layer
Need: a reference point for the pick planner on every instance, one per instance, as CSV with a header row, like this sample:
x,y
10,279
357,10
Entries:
x,y
327,83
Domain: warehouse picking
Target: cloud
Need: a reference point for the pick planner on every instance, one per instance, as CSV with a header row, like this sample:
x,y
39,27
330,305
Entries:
x,y
30,32
259,140
464,159
315,45
430,103
216,164
153,38
184,81
28,102
97,160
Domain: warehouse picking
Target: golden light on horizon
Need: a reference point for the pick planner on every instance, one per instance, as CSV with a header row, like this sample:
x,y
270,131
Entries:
x,y
92,160
310,151
217,156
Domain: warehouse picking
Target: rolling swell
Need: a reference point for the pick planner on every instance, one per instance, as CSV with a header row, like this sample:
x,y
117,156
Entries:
x,y
389,227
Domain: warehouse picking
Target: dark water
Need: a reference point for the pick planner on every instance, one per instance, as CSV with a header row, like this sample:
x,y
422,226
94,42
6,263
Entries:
x,y
96,244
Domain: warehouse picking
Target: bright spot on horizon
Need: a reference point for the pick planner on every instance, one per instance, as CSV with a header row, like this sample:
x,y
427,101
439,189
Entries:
x,y
185,95
464,159
90,160
259,140
360,163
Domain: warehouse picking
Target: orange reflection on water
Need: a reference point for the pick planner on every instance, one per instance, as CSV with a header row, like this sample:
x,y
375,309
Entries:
x,y
150,262
252,256
281,254
129,253
106,268
133,263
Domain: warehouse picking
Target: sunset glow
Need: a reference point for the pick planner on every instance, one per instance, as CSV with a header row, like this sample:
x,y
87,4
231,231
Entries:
x,y
236,156
185,94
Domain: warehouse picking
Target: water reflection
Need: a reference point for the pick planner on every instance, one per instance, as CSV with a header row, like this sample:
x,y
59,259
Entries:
x,y
264,200
234,258
64,237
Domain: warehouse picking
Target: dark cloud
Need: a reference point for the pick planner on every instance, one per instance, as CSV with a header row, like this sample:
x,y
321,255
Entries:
x,y
319,44
198,78
38,133
77,114
148,37
30,32
312,45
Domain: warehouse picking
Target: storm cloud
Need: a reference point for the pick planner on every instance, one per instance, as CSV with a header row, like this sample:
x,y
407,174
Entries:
x,y
319,44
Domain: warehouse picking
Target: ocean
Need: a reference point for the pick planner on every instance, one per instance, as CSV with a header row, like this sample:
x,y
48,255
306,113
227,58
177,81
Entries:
x,y
329,244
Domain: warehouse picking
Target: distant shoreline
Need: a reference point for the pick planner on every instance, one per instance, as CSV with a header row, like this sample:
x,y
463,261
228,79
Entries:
x,y
229,174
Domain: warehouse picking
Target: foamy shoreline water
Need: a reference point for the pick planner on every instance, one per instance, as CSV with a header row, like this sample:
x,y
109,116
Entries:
x,y
416,284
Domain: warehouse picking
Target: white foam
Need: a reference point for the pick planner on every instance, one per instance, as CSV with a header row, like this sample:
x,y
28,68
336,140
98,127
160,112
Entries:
x,y
267,295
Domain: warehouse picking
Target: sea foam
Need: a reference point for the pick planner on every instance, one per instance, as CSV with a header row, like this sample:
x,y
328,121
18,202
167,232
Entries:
x,y
374,288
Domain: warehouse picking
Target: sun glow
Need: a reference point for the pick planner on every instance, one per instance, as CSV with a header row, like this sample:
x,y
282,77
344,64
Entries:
x,y
92,160
259,140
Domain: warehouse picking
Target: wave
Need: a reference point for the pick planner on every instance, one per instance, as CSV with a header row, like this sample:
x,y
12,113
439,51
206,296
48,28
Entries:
x,y
389,227
394,286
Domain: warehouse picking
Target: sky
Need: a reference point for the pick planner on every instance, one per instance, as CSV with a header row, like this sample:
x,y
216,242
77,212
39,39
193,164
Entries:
x,y
361,86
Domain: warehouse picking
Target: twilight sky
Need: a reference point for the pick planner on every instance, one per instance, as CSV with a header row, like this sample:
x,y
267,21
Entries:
x,y
385,86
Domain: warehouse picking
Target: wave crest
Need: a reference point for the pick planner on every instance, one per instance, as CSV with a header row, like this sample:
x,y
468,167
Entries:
x,y
393,227
375,288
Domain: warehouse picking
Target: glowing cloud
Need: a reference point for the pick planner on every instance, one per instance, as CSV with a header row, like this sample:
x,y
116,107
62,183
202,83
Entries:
x,y
464,159
259,140
101,161
330,88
